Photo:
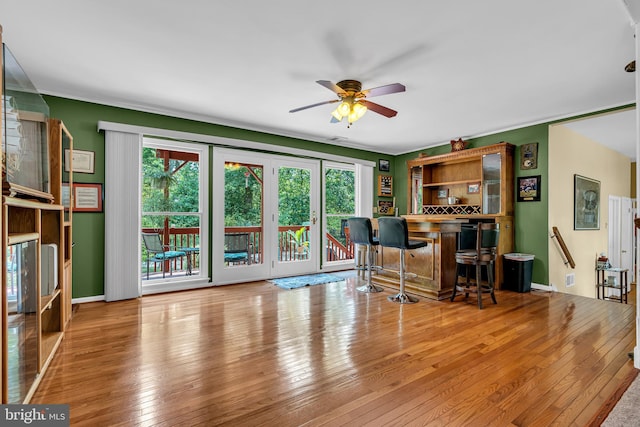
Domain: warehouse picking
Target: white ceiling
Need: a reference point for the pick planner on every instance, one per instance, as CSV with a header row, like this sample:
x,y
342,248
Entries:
x,y
614,130
470,67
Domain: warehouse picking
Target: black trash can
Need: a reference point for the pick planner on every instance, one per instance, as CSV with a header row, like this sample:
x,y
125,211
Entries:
x,y
517,270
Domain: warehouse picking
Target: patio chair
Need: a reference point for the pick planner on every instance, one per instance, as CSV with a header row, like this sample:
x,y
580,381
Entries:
x,y
236,248
159,252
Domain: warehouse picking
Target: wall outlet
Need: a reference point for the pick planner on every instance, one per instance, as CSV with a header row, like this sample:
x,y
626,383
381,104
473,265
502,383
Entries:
x,y
569,280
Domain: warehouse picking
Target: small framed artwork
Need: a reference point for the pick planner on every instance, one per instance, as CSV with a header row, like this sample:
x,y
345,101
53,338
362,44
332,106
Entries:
x,y
529,156
82,161
443,194
87,197
529,189
385,185
586,203
384,165
385,207
473,188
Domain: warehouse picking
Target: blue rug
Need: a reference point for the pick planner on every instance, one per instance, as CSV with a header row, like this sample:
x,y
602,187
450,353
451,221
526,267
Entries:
x,y
302,281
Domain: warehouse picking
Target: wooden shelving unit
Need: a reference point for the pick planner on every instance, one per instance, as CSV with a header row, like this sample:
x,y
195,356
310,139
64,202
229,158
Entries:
x,y
35,221
489,169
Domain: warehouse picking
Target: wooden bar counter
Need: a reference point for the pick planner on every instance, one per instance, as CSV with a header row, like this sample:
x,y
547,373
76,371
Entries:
x,y
434,265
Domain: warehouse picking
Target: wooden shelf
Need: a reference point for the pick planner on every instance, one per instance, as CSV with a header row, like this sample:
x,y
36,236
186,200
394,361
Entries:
x,y
15,238
47,300
449,183
457,210
30,204
49,342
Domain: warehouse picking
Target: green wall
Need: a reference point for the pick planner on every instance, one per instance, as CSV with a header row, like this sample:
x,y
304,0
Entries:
x,y
530,217
81,118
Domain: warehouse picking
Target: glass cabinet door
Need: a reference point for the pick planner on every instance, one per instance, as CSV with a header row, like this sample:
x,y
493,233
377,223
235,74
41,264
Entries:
x,y
416,191
66,173
22,323
491,171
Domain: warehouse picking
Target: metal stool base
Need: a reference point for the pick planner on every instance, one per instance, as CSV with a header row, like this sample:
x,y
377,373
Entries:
x,y
369,288
402,298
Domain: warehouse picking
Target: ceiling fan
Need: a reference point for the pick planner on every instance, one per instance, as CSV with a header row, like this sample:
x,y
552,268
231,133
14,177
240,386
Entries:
x,y
352,100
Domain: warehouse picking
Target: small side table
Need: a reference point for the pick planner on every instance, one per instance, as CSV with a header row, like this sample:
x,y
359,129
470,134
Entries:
x,y
603,283
191,252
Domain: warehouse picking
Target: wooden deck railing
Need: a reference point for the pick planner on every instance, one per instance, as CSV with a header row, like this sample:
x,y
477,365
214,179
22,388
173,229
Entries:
x,y
287,249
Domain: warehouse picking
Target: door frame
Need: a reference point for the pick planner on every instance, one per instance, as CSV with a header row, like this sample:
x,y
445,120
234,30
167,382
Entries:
x,y
312,264
169,284
270,268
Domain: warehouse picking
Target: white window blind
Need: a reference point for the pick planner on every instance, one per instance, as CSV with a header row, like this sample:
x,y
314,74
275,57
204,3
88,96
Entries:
x,y
122,215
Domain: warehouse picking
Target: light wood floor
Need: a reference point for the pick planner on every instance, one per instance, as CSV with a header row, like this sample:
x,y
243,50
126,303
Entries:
x,y
255,354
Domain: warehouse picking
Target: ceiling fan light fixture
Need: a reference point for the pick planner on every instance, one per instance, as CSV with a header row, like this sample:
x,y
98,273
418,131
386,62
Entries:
x,y
336,114
357,111
344,108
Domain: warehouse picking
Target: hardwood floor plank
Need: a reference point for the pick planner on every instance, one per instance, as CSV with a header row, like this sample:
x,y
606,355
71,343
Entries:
x,y
254,354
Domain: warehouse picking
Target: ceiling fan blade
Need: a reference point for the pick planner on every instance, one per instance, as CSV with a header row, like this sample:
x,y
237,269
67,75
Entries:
x,y
313,105
331,86
377,108
384,90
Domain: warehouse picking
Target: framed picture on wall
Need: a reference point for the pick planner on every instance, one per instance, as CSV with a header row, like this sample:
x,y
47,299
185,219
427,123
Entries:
x,y
385,185
82,161
87,197
529,156
385,207
586,203
529,189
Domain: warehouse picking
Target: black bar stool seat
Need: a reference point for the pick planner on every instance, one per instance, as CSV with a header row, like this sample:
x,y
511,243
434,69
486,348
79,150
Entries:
x,y
361,233
394,233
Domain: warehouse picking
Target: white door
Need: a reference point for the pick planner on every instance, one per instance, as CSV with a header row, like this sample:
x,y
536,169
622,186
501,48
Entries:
x,y
295,225
271,202
239,239
626,236
620,250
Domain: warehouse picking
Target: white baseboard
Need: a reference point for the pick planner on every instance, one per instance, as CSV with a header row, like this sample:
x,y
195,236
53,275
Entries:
x,y
87,299
541,287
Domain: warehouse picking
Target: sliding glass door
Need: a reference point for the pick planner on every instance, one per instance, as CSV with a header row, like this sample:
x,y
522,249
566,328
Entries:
x,y
265,221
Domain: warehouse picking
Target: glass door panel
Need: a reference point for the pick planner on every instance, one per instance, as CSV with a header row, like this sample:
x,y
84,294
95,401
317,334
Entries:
x,y
22,323
240,245
243,214
491,172
171,208
339,206
264,216
297,217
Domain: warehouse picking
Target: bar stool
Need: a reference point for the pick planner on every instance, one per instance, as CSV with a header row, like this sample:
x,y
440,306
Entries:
x,y
394,233
361,233
484,254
